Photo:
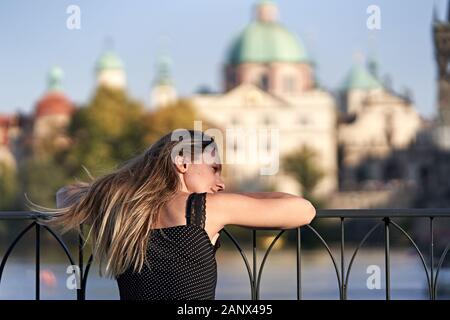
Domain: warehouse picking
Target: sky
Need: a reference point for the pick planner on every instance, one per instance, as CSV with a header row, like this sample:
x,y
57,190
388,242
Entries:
x,y
34,37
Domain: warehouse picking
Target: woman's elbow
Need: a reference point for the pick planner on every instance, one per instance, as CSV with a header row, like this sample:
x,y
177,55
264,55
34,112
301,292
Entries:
x,y
311,213
308,213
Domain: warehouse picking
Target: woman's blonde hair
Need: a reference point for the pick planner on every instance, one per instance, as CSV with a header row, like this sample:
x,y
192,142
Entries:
x,y
122,207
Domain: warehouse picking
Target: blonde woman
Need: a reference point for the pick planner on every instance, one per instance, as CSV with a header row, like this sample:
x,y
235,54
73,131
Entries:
x,y
155,221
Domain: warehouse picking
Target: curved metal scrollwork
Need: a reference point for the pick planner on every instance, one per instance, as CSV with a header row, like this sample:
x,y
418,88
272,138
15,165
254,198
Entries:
x,y
367,235
264,261
333,259
441,262
12,245
418,251
247,265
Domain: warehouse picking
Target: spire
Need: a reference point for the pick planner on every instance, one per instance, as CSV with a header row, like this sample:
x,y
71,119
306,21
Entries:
x,y
108,43
109,59
372,65
372,61
435,14
163,64
266,11
448,11
163,91
109,68
54,79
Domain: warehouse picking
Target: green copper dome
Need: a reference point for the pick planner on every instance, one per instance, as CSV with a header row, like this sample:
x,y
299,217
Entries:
x,y
266,40
54,79
360,78
163,67
109,60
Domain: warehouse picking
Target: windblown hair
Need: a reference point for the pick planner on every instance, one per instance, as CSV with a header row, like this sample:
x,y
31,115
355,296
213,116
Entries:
x,y
122,207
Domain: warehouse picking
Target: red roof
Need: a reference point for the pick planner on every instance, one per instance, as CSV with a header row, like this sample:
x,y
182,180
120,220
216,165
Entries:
x,y
5,122
54,103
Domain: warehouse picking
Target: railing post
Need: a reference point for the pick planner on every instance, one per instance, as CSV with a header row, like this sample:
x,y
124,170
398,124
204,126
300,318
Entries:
x,y
343,288
80,291
387,254
299,264
38,261
432,258
255,291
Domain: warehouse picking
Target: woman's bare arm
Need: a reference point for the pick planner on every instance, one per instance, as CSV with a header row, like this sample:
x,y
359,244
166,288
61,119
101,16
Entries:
x,y
259,211
267,195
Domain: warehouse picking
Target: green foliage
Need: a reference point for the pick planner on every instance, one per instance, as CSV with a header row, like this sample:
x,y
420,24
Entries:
x,y
108,131
40,178
177,115
8,187
302,164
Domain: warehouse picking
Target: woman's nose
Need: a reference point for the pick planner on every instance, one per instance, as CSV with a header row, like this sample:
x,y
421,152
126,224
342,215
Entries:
x,y
220,186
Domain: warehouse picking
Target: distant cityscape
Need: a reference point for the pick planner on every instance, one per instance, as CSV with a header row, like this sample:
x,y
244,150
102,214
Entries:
x,y
371,144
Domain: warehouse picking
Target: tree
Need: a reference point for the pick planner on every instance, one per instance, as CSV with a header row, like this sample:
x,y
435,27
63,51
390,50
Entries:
x,y
40,177
8,186
111,129
302,164
179,114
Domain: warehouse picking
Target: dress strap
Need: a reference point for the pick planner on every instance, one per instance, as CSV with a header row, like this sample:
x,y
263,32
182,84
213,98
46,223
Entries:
x,y
196,209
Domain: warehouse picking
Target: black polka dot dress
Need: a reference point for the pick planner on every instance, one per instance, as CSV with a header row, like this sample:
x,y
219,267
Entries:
x,y
181,263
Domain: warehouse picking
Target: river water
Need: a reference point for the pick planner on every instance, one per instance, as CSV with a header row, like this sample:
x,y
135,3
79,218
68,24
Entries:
x,y
278,280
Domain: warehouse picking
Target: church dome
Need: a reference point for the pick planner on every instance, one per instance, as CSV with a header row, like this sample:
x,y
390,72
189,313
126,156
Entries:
x,y
359,78
109,61
54,101
266,40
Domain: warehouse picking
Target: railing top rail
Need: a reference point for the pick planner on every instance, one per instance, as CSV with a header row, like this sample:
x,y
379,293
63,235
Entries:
x,y
322,213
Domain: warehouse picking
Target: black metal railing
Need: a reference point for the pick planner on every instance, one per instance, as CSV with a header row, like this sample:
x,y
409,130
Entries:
x,y
385,218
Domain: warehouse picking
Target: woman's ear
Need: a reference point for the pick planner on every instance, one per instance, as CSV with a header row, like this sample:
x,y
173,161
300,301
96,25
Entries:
x,y
180,164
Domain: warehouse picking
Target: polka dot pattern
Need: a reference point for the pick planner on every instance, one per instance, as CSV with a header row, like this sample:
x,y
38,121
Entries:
x,y
180,262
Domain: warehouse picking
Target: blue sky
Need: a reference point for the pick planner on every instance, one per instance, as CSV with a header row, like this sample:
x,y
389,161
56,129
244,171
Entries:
x,y
33,37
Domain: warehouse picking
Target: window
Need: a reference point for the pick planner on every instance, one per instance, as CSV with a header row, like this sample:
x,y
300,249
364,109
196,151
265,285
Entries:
x,y
289,84
231,78
304,120
264,82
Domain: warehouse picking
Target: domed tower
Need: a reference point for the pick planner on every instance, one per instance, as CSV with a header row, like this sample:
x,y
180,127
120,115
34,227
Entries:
x,y
266,54
359,83
54,102
52,113
163,90
110,71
